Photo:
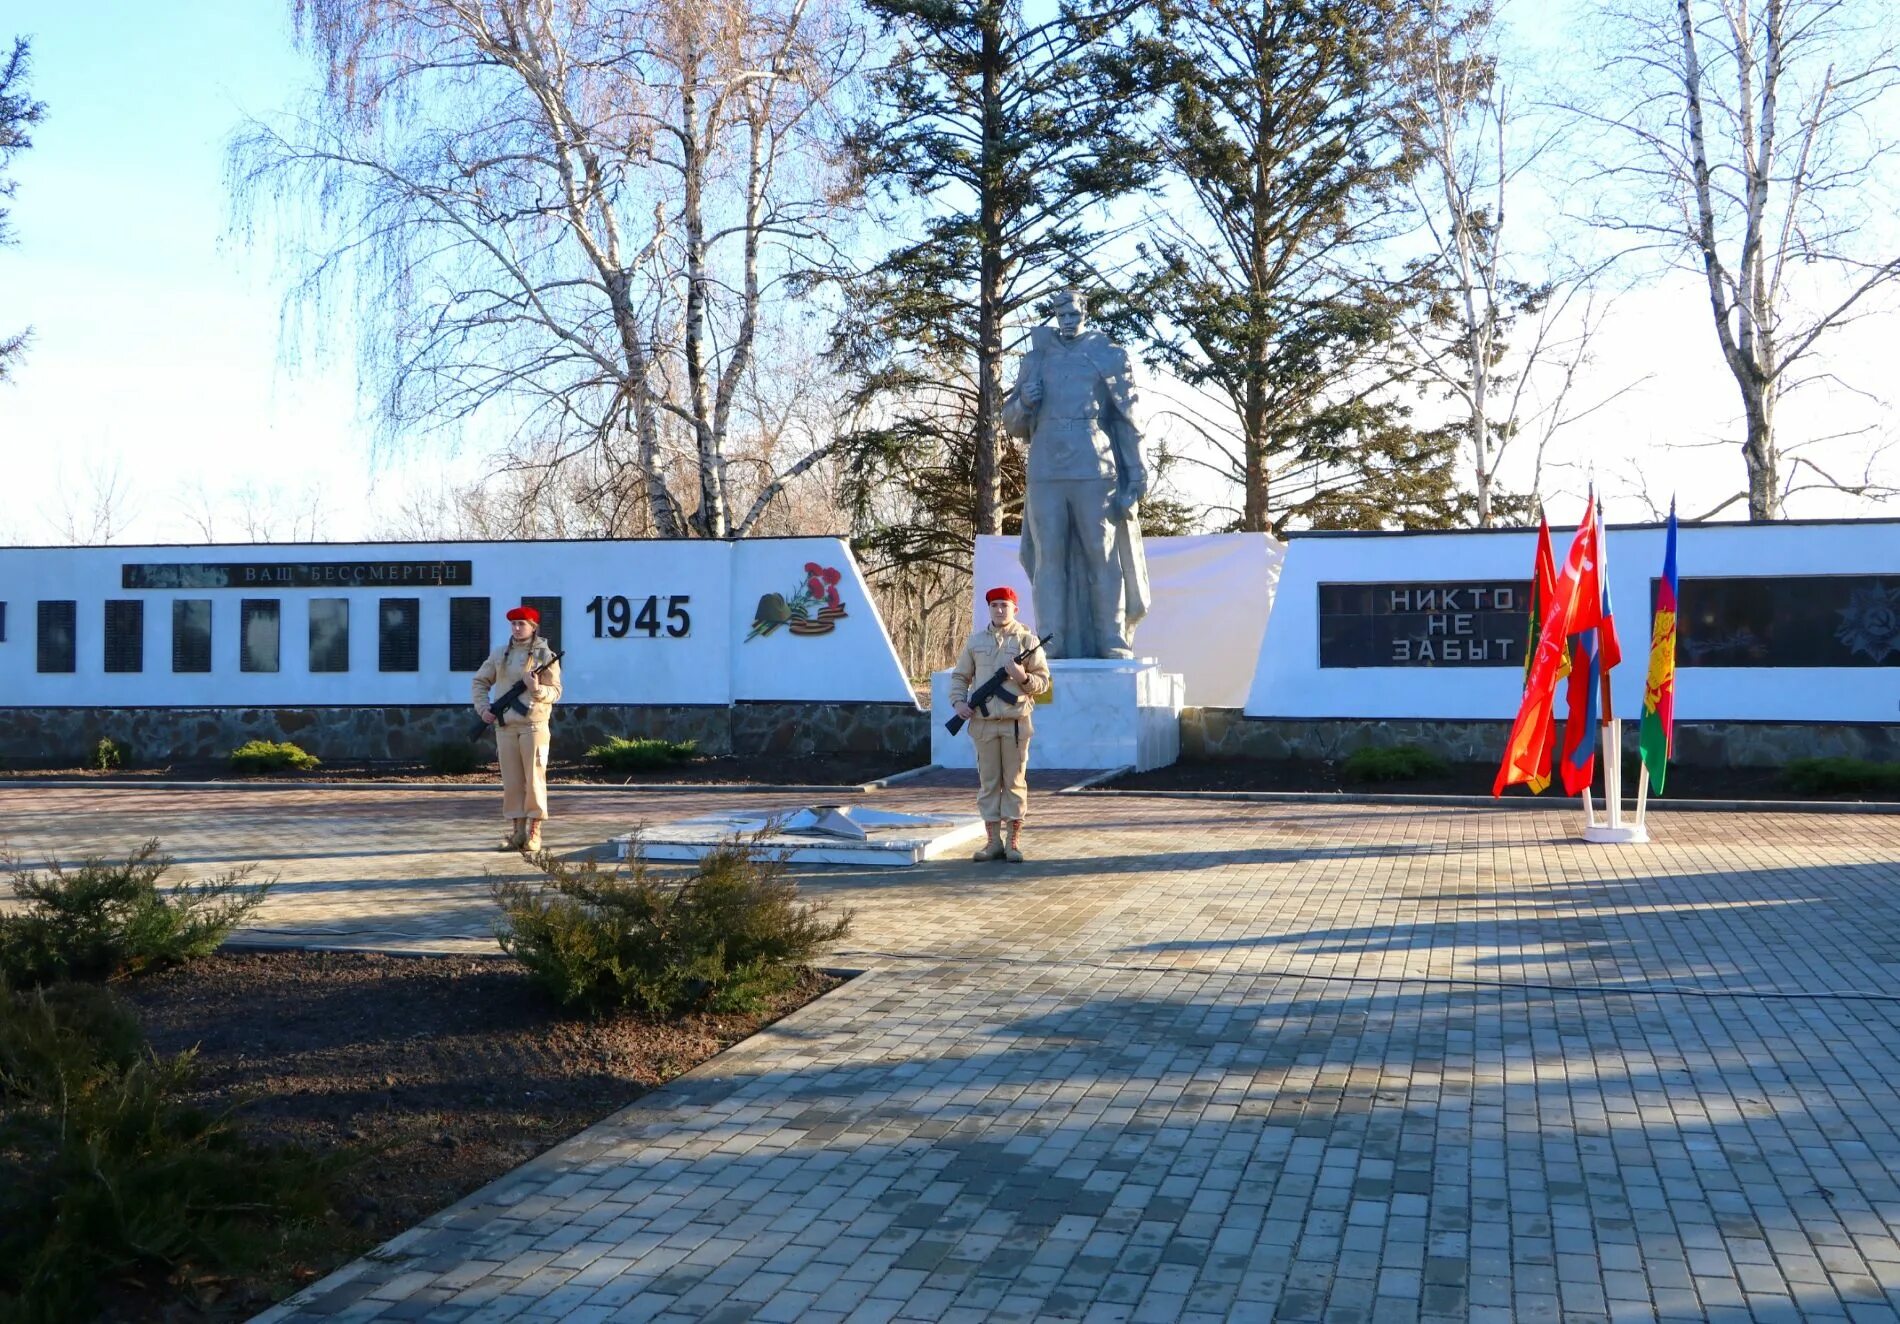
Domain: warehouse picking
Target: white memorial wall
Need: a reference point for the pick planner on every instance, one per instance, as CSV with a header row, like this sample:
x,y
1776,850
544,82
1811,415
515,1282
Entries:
x,y
642,622
1794,621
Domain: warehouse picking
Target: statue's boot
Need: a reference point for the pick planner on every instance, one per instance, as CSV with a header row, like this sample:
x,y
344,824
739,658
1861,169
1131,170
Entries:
x,y
1012,851
516,835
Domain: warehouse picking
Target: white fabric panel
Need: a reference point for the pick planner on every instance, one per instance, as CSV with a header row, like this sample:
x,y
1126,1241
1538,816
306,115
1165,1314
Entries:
x,y
1211,592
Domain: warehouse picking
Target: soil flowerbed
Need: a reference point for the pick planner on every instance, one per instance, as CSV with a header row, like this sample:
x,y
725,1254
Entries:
x,y
776,770
433,1075
1685,783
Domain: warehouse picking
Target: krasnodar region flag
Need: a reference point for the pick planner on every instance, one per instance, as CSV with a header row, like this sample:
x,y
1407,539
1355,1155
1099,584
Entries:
x,y
1658,742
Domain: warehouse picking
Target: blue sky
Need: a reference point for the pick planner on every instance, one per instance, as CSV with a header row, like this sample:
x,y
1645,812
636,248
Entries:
x,y
155,337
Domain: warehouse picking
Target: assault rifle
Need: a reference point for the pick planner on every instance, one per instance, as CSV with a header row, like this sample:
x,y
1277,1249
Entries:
x,y
510,698
991,689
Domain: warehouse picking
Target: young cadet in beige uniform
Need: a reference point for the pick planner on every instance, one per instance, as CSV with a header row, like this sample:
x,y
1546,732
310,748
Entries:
x,y
521,743
1002,738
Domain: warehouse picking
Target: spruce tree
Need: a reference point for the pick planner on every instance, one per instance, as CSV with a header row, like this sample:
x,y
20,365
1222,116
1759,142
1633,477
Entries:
x,y
1264,283
1001,137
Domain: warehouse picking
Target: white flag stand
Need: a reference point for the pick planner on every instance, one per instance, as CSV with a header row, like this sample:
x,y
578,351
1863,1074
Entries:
x,y
1613,829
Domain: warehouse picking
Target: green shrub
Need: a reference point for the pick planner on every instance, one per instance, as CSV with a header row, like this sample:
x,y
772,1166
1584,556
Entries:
x,y
60,1036
452,758
270,756
1399,763
107,755
1840,776
641,755
723,938
108,918
106,1177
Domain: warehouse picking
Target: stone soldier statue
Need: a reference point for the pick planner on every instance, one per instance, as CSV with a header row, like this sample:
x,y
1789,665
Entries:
x,y
1074,402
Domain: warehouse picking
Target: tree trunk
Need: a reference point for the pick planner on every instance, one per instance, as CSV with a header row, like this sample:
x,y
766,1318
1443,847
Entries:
x,y
1478,347
1747,348
1255,516
1758,453
989,354
638,402
710,520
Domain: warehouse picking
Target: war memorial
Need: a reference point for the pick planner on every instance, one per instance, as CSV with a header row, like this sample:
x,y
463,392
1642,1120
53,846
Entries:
x,y
1184,1056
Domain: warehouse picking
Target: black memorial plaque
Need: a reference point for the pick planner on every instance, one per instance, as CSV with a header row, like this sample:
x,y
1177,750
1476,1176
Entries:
x,y
191,634
258,634
1461,623
1788,621
399,640
125,636
298,574
329,635
469,631
58,636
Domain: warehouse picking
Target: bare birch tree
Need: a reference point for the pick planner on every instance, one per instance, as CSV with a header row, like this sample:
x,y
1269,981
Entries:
x,y
567,218
1758,150
94,508
1509,327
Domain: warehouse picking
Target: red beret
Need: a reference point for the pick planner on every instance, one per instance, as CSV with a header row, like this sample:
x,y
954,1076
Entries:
x,y
1002,593
525,614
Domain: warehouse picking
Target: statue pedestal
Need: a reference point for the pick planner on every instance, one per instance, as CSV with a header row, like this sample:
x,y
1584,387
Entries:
x,y
1101,713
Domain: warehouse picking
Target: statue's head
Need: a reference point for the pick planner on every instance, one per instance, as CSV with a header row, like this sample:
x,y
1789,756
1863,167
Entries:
x,y
1071,313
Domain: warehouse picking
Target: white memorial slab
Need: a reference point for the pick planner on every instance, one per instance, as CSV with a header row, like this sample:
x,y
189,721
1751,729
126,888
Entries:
x,y
1101,713
811,834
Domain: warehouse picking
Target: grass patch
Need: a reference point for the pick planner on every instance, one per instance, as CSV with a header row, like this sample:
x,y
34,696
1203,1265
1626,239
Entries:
x,y
725,937
255,756
109,918
620,754
1398,763
107,1179
1840,776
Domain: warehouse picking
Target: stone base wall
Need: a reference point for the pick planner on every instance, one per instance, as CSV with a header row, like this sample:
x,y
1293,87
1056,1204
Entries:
x,y
49,737
63,737
1227,733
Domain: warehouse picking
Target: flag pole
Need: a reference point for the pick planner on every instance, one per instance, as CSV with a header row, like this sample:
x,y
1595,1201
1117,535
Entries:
x,y
1612,830
1612,730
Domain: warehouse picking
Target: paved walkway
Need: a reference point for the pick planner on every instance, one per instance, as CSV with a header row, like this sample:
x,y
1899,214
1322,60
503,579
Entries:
x,y
1197,1061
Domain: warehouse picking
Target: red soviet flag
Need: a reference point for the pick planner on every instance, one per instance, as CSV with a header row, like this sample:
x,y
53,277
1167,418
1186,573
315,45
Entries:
x,y
1575,606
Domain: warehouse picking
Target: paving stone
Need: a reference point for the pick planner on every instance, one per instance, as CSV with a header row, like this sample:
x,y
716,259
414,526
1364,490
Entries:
x,y
1209,1058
